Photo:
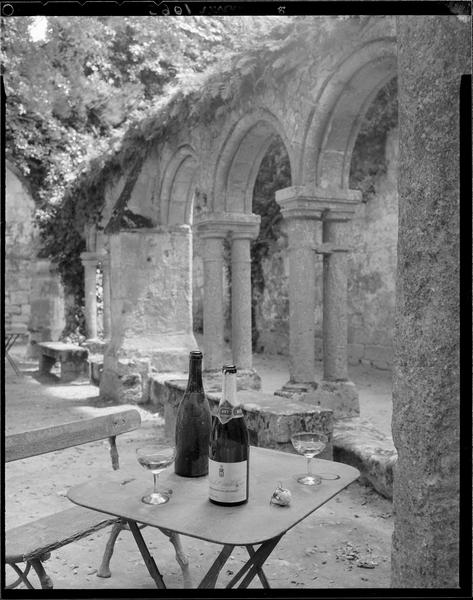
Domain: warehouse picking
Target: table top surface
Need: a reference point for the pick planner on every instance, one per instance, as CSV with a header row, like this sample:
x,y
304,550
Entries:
x,y
189,511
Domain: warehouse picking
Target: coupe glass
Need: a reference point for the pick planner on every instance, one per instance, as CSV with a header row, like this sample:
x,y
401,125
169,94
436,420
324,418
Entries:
x,y
309,445
155,458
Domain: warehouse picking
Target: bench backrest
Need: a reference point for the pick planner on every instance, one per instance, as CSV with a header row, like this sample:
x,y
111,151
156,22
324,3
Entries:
x,y
48,439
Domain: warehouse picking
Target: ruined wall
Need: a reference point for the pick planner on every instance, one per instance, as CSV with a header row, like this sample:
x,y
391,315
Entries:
x,y
20,250
372,268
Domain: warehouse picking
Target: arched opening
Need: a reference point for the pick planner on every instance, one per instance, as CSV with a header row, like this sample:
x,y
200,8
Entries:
x,y
269,268
372,262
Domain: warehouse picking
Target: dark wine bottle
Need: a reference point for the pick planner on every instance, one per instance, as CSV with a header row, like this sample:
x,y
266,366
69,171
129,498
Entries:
x,y
193,424
229,448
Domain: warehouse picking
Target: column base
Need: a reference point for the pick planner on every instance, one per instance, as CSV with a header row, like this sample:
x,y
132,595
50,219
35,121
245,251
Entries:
x,y
339,396
247,379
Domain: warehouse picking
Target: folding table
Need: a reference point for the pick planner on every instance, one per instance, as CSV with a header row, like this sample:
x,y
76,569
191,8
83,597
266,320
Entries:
x,y
189,511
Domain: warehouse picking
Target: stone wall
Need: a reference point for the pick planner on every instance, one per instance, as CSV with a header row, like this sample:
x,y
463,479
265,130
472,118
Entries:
x,y
20,249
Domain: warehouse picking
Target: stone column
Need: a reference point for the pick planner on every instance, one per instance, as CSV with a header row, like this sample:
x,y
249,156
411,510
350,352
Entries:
x,y
213,232
303,207
303,229
335,327
213,228
89,262
107,313
243,229
433,54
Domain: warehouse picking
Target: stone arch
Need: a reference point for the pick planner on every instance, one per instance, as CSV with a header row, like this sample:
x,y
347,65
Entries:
x,y
177,187
337,117
239,158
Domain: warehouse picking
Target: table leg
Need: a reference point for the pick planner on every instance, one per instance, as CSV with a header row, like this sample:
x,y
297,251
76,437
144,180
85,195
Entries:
x,y
254,564
211,577
9,343
261,574
149,561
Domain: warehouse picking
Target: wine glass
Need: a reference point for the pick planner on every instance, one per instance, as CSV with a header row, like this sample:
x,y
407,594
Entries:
x,y
155,458
309,444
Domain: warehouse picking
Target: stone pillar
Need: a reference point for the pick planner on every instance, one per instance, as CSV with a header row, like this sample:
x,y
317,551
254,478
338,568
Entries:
x,y
335,326
107,312
47,319
213,299
303,207
433,53
243,229
89,262
213,228
303,230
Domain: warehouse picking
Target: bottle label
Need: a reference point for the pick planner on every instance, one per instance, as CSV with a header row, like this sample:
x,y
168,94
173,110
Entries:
x,y
227,411
227,481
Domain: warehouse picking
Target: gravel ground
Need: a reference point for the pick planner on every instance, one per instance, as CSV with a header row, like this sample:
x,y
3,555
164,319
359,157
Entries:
x,y
345,544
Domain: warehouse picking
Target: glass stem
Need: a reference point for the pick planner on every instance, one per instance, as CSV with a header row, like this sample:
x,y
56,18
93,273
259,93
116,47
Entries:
x,y
309,470
155,477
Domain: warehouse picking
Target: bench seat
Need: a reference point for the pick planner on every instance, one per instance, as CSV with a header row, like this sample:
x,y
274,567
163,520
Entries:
x,y
73,359
33,540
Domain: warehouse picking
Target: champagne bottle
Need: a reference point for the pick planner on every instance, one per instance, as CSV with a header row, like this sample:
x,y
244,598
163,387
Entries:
x,y
229,447
193,424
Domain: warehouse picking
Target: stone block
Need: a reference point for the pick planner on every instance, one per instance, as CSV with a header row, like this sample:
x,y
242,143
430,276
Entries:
x,y
247,379
19,297
339,396
358,443
12,309
271,420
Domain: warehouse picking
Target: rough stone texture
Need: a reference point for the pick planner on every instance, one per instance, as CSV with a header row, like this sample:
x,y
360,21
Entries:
x,y
358,443
372,267
151,308
20,249
271,420
339,396
371,278
433,53
47,318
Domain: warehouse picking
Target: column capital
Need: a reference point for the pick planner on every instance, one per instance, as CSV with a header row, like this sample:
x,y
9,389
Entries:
x,y
219,224
310,202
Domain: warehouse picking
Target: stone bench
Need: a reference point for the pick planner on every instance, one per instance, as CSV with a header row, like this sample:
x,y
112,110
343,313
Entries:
x,y
357,442
72,358
271,419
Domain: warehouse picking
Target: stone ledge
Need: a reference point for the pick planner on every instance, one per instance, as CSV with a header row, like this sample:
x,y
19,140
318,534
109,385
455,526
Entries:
x,y
270,419
358,443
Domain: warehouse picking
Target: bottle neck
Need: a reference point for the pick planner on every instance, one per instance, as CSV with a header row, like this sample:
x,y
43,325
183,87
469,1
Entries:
x,y
194,383
229,389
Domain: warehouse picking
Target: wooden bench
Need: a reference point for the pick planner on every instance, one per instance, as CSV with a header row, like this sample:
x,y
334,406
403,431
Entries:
x,y
33,542
73,359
